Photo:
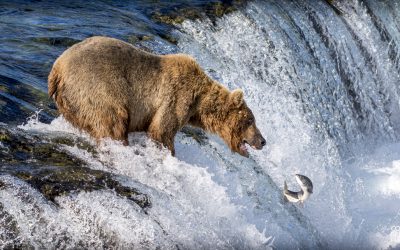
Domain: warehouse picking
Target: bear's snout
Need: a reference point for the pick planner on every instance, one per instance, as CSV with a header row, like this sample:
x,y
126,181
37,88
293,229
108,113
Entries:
x,y
258,142
263,142
252,136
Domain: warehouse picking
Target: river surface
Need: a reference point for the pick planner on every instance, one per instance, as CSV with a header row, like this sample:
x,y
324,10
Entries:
x,y
322,81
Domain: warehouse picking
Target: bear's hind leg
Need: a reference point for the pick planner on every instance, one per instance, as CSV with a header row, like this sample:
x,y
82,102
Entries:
x,y
163,129
112,124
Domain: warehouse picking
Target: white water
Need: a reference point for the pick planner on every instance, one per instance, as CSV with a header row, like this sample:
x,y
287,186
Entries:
x,y
327,110
189,209
296,63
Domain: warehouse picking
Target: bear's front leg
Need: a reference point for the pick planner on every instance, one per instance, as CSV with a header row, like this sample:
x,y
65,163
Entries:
x,y
163,129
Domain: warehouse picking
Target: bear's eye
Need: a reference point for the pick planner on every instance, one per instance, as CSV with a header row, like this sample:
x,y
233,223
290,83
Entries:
x,y
250,121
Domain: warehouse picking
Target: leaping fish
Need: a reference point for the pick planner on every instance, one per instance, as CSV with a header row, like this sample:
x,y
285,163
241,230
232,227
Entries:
x,y
300,196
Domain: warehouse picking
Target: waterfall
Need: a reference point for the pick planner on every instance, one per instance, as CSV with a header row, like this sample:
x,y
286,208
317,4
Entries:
x,y
323,85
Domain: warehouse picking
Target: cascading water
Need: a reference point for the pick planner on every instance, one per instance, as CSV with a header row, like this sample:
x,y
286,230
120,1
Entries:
x,y
323,86
322,82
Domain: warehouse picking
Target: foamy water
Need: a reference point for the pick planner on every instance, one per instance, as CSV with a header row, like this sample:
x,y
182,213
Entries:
x,y
323,104
189,208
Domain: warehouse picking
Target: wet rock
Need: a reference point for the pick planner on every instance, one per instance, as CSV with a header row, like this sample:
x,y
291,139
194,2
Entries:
x,y
135,38
219,9
335,6
45,165
140,41
177,15
54,182
169,37
71,141
56,41
18,147
196,133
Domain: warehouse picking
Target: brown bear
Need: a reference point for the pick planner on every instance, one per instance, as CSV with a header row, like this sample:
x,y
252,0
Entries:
x,y
109,88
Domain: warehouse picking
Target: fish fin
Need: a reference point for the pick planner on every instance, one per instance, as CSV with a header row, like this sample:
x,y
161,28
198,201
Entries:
x,y
285,199
298,180
284,192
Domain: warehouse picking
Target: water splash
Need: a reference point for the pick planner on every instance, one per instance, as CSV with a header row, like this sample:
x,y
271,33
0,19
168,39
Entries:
x,y
189,207
321,90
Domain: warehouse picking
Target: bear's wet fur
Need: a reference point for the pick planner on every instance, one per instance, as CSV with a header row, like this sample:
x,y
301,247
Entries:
x,y
109,88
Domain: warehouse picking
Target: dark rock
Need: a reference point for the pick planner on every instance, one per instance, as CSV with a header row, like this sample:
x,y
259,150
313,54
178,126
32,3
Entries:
x,y
135,39
56,41
176,17
169,37
196,133
335,6
40,161
212,10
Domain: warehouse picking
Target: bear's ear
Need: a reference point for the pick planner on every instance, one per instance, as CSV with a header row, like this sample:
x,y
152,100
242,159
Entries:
x,y
236,97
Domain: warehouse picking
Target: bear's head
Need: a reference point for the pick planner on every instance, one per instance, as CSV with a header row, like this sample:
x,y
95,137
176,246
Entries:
x,y
240,125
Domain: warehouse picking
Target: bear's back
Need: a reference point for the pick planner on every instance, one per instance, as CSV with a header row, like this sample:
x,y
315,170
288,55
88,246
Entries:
x,y
105,55
109,67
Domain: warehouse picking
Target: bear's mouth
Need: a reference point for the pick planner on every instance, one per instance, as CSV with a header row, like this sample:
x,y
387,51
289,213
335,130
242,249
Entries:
x,y
243,148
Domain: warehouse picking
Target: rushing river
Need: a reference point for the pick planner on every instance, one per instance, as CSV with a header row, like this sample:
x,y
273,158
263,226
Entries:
x,y
322,81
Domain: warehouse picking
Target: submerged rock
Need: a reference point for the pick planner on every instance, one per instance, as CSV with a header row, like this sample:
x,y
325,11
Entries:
x,y
335,6
45,165
196,133
139,40
177,15
136,38
56,41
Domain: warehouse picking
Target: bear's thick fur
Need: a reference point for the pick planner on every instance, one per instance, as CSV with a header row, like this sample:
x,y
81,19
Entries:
x,y
109,88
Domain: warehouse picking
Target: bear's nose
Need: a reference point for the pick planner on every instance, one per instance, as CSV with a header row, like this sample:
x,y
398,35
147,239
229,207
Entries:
x,y
263,142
